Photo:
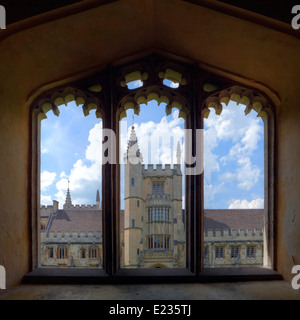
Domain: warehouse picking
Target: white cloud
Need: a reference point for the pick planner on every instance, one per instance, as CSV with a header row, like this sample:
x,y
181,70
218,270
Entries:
x,y
94,149
211,163
46,200
248,141
62,175
247,174
85,175
170,83
174,85
47,178
154,139
61,186
245,204
231,140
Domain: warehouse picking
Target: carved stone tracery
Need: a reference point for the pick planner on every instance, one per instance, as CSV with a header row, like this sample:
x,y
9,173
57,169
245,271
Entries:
x,y
93,93
240,95
53,100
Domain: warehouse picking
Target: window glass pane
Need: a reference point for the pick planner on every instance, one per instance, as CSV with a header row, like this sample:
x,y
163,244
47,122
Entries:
x,y
70,213
152,137
234,185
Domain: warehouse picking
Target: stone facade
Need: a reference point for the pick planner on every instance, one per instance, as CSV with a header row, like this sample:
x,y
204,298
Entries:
x,y
226,248
152,225
73,236
233,237
227,242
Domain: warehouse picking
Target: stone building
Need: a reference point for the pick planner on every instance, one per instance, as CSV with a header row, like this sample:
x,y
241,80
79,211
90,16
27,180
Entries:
x,y
46,212
73,236
154,234
233,237
152,225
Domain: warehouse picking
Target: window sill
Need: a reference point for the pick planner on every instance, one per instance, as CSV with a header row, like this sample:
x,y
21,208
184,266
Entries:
x,y
233,274
176,275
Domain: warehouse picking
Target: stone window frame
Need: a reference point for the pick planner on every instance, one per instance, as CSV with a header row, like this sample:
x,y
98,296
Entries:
x,y
83,254
51,252
220,252
94,252
158,214
200,90
158,242
61,252
251,252
235,252
158,187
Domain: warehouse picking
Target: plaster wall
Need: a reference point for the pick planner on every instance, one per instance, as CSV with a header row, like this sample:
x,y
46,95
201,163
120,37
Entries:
x,y
48,54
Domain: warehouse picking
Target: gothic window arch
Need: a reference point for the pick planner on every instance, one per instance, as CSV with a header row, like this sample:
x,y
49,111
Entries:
x,y
252,100
195,94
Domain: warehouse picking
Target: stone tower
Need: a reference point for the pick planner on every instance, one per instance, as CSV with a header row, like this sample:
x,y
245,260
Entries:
x,y
154,234
133,202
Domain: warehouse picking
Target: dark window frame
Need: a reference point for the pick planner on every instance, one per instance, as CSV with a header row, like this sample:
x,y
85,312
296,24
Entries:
x,y
111,106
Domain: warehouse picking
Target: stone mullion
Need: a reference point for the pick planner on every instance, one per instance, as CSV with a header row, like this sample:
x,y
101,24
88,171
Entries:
x,y
110,225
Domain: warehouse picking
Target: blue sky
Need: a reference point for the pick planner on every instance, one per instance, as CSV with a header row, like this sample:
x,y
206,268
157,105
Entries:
x,y
233,153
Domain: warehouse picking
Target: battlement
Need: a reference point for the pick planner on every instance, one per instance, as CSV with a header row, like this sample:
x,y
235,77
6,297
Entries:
x,y
159,170
47,210
234,234
85,207
72,237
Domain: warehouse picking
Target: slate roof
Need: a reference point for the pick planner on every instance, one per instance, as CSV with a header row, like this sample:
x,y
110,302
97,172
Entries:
x,y
76,221
221,219
214,219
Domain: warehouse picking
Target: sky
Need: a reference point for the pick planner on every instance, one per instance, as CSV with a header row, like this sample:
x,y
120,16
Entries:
x,y
71,150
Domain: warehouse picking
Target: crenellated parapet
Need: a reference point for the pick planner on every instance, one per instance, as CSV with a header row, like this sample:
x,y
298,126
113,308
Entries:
x,y
232,234
159,170
72,237
47,210
85,207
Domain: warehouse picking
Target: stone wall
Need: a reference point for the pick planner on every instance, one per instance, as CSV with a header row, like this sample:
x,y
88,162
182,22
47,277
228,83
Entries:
x,y
37,56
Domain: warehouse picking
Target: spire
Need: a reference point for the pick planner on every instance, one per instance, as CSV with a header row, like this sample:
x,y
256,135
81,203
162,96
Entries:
x,y
178,153
133,138
68,202
98,199
133,152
